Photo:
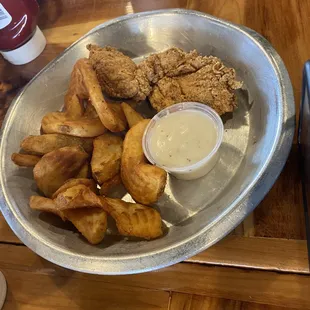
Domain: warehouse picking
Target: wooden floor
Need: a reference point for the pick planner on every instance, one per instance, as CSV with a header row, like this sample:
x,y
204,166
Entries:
x,y
262,265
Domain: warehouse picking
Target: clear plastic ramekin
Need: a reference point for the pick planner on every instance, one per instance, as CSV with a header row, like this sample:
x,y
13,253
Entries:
x,y
202,167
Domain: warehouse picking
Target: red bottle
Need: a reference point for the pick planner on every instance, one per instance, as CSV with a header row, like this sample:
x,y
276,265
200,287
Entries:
x,y
21,40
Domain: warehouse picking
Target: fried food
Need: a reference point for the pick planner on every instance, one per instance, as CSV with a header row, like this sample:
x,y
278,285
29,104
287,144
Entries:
x,y
134,219
85,171
118,75
73,182
91,223
132,116
78,196
178,76
56,167
46,205
107,186
111,117
106,159
58,122
25,160
90,111
144,182
50,142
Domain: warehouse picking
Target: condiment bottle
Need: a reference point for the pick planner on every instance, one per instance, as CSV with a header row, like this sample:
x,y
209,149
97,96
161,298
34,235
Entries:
x,y
21,40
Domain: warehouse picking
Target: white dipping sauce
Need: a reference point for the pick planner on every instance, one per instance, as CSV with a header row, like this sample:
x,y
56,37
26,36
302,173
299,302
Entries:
x,y
182,138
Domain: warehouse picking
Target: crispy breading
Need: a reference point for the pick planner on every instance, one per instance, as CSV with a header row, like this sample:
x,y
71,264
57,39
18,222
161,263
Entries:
x,y
25,160
106,159
144,182
50,142
118,75
56,167
134,219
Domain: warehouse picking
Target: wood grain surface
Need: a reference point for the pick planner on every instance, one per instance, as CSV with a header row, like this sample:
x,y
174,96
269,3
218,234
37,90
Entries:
x,y
204,281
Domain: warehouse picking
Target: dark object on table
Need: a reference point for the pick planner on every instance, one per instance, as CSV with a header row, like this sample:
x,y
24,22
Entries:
x,y
304,147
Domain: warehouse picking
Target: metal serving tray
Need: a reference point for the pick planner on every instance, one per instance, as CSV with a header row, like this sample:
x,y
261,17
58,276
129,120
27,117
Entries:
x,y
257,141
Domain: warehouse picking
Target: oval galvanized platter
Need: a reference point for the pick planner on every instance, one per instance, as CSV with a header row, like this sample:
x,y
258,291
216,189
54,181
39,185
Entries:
x,y
257,141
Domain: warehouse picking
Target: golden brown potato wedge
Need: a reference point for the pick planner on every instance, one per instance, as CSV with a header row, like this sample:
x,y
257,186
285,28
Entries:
x,y
78,196
74,107
134,219
113,119
106,159
73,182
46,205
47,143
85,171
91,223
144,182
107,186
90,111
56,167
25,160
58,122
132,116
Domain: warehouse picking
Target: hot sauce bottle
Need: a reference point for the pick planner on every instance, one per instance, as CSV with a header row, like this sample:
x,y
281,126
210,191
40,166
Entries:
x,y
21,40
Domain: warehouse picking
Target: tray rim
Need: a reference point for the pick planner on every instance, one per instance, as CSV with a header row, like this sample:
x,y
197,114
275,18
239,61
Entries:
x,y
197,243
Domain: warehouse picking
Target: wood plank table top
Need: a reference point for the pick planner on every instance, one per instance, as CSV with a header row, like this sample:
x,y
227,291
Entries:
x,y
263,264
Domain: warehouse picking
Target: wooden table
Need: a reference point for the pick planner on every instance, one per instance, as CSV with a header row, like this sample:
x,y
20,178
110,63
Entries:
x,y
262,265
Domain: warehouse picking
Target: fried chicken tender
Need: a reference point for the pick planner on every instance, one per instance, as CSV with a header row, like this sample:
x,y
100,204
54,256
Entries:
x,y
78,196
25,160
178,76
144,182
91,223
118,75
106,159
134,219
47,143
56,167
132,116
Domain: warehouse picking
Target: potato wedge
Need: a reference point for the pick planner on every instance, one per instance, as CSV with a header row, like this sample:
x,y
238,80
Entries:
x,y
25,160
132,116
111,118
144,182
73,182
134,219
91,223
85,171
47,143
46,205
58,122
107,186
56,167
78,196
106,159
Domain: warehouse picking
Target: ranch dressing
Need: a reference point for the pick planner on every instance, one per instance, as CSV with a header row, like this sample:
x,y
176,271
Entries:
x,y
182,139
